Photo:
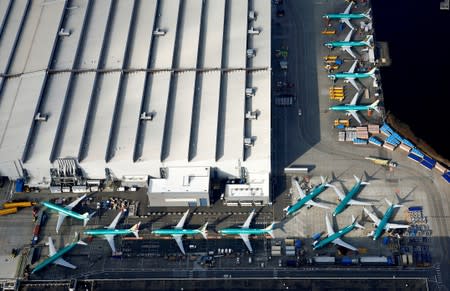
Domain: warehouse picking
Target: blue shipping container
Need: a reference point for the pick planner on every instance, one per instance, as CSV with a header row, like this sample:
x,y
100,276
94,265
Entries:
x,y
386,240
415,208
298,243
346,261
19,185
316,236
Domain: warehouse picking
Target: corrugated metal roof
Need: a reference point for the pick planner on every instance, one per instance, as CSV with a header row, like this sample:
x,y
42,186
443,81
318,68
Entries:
x,y
108,67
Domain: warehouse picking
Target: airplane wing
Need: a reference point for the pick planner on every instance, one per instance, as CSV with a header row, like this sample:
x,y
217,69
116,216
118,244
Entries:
x,y
247,242
349,36
312,203
338,192
330,230
300,191
110,239
353,67
61,217
64,263
347,10
249,219
115,221
342,243
179,241
347,21
354,115
350,52
354,99
51,247
372,216
395,226
353,82
356,202
74,203
182,220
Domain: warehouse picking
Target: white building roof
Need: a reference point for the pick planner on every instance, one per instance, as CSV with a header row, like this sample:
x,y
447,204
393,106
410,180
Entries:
x,y
94,84
182,180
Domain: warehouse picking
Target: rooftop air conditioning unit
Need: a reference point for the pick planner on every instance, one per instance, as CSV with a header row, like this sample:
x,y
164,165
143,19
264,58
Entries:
x,y
253,31
251,115
62,32
251,53
248,142
40,117
159,32
249,92
146,116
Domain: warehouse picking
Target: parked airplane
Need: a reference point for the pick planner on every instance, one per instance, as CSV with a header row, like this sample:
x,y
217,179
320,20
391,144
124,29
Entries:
x,y
67,211
178,232
346,44
335,237
307,199
347,199
346,16
384,224
352,108
351,76
244,231
111,231
55,256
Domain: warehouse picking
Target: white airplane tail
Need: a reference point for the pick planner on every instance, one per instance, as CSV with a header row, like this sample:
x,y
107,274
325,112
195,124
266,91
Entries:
x,y
203,230
78,240
372,72
369,41
286,208
356,224
374,106
324,180
390,204
371,233
367,14
135,229
269,229
86,217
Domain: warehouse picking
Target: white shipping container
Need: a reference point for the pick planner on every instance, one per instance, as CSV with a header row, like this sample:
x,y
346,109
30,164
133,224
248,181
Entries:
x,y
388,146
440,168
405,147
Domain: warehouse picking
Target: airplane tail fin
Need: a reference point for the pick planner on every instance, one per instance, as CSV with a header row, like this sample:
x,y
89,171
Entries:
x,y
367,14
354,222
203,230
286,208
357,179
324,180
269,229
374,106
369,41
78,240
372,233
372,72
135,229
86,217
390,204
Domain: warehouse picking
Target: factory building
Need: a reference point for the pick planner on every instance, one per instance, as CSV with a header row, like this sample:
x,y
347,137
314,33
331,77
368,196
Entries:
x,y
162,93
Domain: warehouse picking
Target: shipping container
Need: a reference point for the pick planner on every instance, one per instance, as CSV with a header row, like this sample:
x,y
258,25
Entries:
x,y
323,260
7,211
276,253
405,147
440,168
18,204
20,184
389,146
316,236
404,259
374,260
298,243
289,242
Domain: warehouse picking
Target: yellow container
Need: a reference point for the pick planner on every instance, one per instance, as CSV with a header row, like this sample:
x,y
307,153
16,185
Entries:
x,y
7,211
18,204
